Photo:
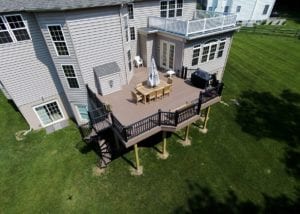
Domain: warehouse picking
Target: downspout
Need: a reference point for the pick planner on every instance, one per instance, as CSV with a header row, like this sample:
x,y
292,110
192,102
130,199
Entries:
x,y
122,33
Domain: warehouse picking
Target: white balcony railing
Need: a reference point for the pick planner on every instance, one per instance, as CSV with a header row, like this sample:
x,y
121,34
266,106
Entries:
x,y
202,23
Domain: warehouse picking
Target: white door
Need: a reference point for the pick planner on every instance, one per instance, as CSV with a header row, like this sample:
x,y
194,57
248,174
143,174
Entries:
x,y
167,53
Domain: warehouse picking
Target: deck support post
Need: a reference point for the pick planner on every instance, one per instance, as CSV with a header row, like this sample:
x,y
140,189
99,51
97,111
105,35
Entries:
x,y
164,155
204,127
116,142
139,169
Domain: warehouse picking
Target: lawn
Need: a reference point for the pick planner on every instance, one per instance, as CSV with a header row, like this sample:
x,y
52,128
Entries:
x,y
247,162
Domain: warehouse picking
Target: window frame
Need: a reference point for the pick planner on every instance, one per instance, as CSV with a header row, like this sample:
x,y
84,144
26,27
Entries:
x,y
265,12
78,112
44,104
168,9
221,50
196,48
6,30
238,8
11,31
129,59
126,28
62,67
53,42
228,8
134,34
130,13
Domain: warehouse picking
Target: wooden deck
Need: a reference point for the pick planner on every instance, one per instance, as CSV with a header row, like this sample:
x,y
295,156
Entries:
x,y
128,112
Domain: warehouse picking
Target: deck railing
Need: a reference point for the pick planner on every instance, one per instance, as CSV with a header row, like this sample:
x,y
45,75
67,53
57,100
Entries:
x,y
165,118
199,25
161,118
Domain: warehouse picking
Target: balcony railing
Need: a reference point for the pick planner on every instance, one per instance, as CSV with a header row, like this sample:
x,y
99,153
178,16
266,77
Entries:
x,y
203,22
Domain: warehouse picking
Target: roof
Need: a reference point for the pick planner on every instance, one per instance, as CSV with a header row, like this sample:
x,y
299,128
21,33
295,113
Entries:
x,y
106,69
54,5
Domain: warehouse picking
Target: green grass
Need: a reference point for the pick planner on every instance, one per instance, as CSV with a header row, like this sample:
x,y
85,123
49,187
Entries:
x,y
230,169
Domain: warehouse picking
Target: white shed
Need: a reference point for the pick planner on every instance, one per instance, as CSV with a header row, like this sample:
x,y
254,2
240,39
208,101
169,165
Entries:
x,y
108,78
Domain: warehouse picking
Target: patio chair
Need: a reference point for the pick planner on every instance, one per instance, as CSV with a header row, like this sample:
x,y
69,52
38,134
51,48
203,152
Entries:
x,y
152,96
167,90
136,97
170,81
138,61
139,85
159,93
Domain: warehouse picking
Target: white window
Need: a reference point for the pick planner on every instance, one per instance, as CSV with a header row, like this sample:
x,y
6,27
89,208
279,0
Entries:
x,y
129,60
58,40
238,9
4,34
130,11
211,50
196,54
125,20
70,76
226,9
49,113
221,48
13,29
171,8
266,8
132,33
83,112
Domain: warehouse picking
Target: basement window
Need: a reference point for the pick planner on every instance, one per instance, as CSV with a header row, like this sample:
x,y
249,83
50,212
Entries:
x,y
49,113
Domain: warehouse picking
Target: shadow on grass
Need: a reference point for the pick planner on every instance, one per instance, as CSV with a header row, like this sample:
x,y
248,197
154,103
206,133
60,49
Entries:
x,y
203,201
120,151
264,115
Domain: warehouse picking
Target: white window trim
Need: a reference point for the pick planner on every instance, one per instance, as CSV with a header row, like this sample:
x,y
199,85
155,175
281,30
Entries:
x,y
78,113
196,47
132,11
49,124
53,43
175,14
10,31
70,77
126,30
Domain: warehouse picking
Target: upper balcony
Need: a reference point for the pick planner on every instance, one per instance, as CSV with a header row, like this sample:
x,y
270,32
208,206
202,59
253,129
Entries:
x,y
203,22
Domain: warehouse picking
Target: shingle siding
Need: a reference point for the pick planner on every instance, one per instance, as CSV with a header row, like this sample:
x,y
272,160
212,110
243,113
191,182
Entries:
x,y
26,68
97,38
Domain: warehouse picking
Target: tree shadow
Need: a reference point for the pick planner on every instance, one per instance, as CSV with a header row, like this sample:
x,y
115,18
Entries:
x,y
203,201
264,115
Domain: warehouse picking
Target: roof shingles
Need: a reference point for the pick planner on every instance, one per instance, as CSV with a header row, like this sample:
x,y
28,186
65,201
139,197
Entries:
x,y
54,5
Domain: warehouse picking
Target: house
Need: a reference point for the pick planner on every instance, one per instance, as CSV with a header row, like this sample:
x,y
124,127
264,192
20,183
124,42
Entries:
x,y
248,11
71,59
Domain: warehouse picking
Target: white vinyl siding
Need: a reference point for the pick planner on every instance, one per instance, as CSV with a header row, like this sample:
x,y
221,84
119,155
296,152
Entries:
x,y
49,113
58,40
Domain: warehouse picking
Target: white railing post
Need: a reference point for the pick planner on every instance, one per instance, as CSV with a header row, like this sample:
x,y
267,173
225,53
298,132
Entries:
x,y
223,21
204,25
165,27
187,28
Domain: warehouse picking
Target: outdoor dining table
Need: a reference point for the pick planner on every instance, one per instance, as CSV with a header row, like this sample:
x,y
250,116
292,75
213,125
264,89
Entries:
x,y
145,90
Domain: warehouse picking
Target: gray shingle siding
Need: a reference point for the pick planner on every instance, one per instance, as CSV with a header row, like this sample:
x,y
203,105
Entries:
x,y
54,5
74,95
26,68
